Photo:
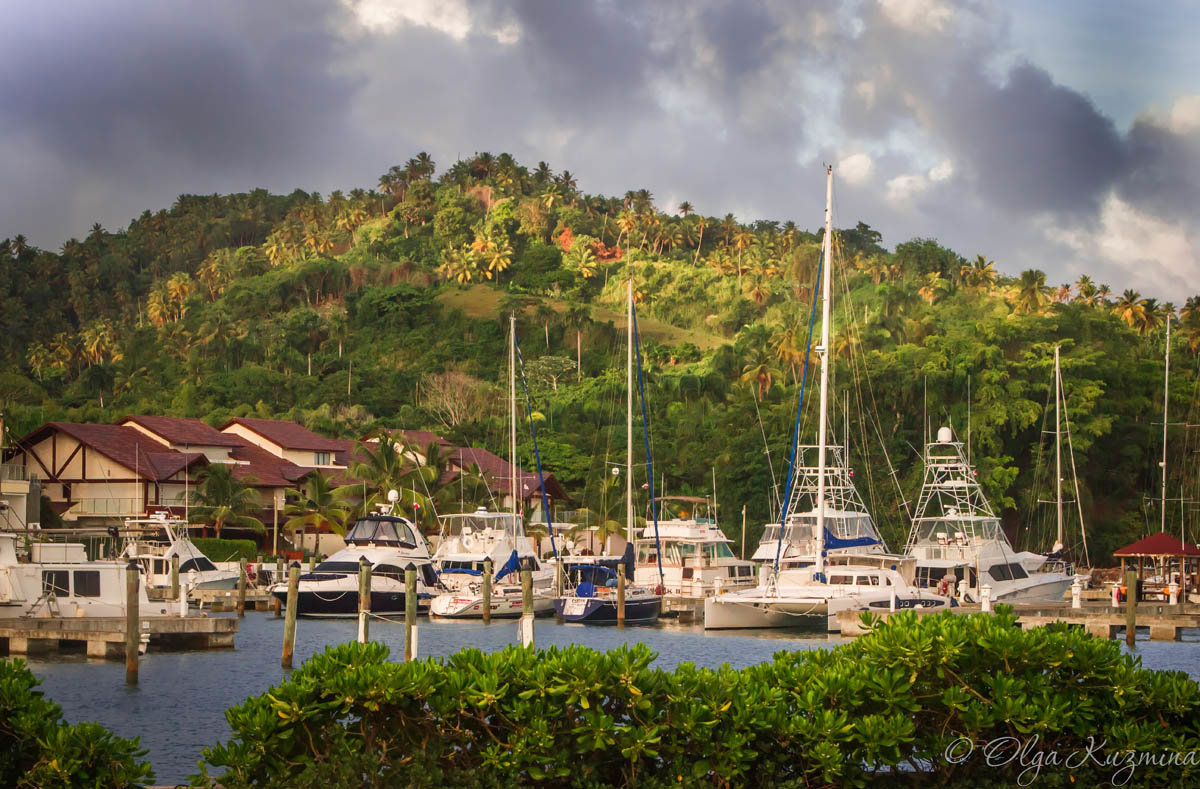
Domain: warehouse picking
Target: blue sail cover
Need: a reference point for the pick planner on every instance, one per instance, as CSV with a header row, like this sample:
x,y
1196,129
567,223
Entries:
x,y
832,542
511,566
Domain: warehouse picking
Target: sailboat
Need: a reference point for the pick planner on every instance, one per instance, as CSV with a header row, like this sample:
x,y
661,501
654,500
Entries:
x,y
469,539
591,596
804,591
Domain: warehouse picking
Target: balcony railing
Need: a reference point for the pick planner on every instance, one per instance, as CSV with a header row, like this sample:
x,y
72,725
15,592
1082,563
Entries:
x,y
102,507
12,471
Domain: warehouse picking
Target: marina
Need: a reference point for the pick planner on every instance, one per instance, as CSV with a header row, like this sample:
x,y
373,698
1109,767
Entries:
x,y
205,683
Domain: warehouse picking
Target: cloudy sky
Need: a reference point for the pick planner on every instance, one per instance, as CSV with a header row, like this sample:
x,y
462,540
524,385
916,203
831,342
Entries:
x,y
1057,134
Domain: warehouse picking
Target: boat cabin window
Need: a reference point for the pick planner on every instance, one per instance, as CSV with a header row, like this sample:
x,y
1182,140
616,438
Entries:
x,y
453,525
56,582
1007,572
199,563
337,567
388,571
930,577
847,580
717,550
770,533
160,567
87,583
382,530
866,580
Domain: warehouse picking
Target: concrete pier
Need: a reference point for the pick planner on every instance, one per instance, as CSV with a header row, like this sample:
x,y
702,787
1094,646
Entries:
x,y
104,637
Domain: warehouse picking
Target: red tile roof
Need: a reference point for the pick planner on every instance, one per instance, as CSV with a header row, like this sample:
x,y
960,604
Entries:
x,y
422,438
500,473
288,435
263,469
124,445
183,431
1161,544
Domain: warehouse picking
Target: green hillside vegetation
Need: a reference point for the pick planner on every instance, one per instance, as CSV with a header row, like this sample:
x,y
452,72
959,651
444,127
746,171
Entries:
x,y
388,307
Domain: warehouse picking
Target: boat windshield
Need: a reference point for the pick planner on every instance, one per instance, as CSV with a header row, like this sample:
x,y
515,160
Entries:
x,y
382,530
676,552
960,531
452,525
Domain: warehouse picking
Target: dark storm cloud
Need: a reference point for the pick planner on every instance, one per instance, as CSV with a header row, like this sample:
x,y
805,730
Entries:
x,y
733,106
154,100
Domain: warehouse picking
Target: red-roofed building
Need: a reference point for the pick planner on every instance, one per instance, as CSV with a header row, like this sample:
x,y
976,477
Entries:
x,y
1170,556
500,473
292,442
100,473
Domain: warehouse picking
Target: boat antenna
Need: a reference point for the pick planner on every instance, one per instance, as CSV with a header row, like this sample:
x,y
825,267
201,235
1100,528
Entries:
x,y
537,456
646,439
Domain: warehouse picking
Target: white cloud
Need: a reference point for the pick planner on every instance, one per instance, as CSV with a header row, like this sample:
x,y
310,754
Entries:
x,y
855,168
1147,249
449,17
919,16
1185,114
905,187
941,171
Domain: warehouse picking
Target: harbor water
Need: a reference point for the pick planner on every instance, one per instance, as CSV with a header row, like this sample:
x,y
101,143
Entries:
x,y
178,707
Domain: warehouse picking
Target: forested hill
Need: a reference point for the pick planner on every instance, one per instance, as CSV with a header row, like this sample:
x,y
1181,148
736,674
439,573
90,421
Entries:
x,y
389,306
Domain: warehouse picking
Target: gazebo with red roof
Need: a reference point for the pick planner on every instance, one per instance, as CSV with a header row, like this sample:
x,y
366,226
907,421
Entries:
x,y
1160,549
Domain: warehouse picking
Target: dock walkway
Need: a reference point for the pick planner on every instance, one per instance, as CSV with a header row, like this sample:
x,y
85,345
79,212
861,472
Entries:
x,y
104,637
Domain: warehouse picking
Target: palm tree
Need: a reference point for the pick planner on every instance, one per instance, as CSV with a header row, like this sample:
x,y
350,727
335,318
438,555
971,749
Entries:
x,y
315,504
383,467
1130,308
1031,292
685,208
220,498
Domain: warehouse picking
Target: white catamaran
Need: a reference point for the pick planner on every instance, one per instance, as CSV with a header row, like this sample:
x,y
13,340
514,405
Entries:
x,y
807,592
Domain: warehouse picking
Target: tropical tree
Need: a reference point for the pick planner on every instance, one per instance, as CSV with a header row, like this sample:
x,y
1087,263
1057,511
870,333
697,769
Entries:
x,y
318,505
1031,292
221,499
1131,308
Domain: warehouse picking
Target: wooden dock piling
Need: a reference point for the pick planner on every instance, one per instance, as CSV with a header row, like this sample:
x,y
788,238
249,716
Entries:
x,y
1131,601
410,612
175,577
133,631
241,588
487,591
621,596
289,622
364,600
526,608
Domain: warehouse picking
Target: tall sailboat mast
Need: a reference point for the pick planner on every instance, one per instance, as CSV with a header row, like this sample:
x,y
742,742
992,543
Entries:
x,y
1166,399
629,414
512,409
823,350
1058,542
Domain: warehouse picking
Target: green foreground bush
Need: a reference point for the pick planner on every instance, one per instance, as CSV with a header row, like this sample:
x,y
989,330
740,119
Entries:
x,y
37,749
940,700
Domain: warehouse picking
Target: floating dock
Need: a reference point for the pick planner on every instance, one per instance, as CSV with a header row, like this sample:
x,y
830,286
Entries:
x,y
104,637
1165,622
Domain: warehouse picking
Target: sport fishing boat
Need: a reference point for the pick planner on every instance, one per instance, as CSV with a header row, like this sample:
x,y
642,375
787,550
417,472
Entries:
x,y
956,536
152,542
837,559
390,544
470,539
58,580
697,560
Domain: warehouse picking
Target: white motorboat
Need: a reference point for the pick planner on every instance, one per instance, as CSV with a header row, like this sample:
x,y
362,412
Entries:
x,y
957,537
696,558
470,539
58,580
389,544
829,555
152,542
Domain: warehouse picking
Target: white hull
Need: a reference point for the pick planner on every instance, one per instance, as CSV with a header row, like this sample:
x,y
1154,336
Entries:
x,y
753,611
1035,589
460,605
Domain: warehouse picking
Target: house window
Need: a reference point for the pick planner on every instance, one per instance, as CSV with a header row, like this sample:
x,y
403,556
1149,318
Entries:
x,y
321,459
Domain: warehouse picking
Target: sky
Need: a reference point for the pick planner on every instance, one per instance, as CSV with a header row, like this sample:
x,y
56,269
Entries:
x,y
1062,135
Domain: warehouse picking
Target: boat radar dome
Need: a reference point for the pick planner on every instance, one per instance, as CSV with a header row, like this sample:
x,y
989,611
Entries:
x,y
393,496
945,435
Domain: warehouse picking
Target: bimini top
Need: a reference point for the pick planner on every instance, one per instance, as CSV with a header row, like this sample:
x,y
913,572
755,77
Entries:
x,y
383,530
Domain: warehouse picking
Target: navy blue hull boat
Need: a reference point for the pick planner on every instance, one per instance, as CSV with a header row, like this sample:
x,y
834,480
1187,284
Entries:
x,y
592,596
